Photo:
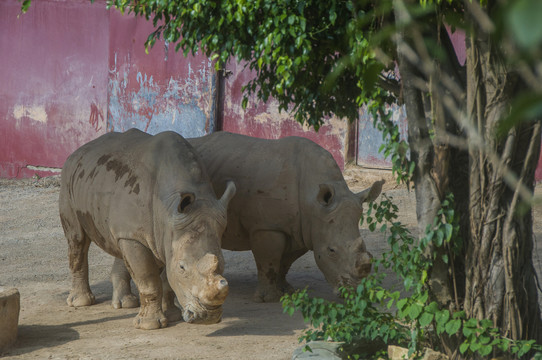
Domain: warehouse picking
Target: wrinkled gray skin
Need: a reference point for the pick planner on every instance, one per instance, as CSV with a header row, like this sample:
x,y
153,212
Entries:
x,y
291,198
148,201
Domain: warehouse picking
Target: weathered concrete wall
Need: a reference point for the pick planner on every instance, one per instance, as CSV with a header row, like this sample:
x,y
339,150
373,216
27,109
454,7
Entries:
x,y
72,70
263,120
53,88
370,139
158,91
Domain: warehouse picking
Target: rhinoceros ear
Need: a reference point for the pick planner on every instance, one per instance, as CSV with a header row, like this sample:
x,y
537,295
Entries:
x,y
186,200
229,193
325,195
371,193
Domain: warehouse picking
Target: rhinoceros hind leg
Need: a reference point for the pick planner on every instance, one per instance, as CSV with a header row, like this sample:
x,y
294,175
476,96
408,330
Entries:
x,y
268,248
142,267
122,290
285,264
172,312
78,244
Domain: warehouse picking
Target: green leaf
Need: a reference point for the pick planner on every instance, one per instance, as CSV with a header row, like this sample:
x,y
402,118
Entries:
x,y
463,347
432,308
524,107
332,16
390,303
525,348
475,346
290,311
448,232
453,326
25,6
424,276
440,238
523,21
485,350
426,319
415,311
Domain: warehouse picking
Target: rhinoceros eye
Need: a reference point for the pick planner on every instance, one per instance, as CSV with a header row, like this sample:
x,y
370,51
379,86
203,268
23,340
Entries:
x,y
331,251
181,265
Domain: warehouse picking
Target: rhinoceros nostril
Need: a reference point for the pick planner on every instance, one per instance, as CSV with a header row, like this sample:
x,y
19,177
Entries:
x,y
222,283
189,316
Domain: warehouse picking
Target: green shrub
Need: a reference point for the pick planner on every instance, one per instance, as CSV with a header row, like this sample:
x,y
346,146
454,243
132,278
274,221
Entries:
x,y
407,316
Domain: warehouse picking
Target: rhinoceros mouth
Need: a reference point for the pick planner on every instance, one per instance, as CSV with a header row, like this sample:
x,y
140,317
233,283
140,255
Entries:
x,y
345,282
202,314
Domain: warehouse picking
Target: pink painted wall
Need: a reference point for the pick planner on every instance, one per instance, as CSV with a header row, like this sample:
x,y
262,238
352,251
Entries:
x,y
263,120
71,70
53,88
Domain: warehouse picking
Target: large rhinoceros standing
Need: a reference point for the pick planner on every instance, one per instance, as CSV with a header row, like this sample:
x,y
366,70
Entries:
x,y
291,198
147,200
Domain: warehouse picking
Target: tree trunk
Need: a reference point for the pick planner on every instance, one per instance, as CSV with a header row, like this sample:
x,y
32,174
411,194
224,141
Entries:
x,y
495,278
500,283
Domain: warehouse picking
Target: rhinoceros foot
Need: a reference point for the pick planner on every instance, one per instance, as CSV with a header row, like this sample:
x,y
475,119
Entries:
x,y
267,294
173,314
77,299
125,301
272,293
150,322
122,291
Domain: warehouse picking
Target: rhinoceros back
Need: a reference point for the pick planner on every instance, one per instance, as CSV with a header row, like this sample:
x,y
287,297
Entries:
x,y
108,185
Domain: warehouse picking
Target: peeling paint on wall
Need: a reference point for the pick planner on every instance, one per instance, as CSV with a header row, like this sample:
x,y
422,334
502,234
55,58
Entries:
x,y
36,113
153,93
154,107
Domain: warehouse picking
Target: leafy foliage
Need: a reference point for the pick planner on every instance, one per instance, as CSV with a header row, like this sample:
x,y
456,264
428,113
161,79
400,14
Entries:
x,y
406,316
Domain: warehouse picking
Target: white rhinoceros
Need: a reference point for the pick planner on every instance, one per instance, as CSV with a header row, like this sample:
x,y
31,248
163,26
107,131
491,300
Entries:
x,y
291,198
147,200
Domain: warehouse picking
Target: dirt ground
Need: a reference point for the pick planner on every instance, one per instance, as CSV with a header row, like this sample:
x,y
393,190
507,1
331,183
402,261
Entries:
x,y
33,259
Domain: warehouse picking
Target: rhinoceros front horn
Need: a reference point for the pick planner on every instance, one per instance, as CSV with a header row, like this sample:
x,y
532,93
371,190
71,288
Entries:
x,y
229,193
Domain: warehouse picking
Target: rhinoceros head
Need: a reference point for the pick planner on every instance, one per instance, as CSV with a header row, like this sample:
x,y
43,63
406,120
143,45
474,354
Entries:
x,y
194,262
338,248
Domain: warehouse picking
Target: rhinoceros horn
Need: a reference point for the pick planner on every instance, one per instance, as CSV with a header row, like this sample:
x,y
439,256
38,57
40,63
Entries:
x,y
208,264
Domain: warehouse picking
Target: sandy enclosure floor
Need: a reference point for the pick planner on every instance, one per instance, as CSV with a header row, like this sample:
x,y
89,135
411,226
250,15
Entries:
x,y
33,259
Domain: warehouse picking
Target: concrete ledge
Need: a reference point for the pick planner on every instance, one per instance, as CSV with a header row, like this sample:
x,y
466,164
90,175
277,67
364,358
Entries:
x,y
9,317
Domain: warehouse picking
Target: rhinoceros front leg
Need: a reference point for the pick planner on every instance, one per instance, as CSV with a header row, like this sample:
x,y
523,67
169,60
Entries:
x,y
172,312
122,290
285,264
146,274
268,249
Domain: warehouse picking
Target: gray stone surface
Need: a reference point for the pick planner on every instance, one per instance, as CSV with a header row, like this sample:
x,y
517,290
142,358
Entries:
x,y
321,350
9,317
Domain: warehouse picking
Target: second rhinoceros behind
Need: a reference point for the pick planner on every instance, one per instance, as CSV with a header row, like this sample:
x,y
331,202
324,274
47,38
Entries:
x,y
291,198
147,200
